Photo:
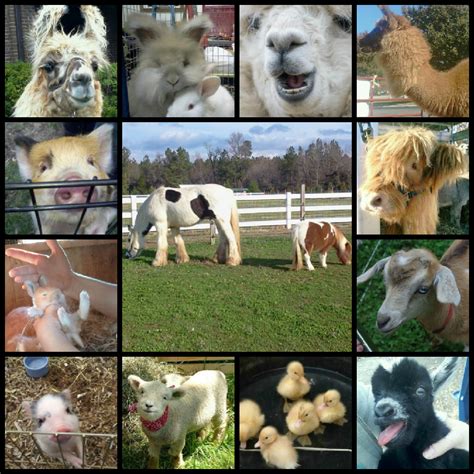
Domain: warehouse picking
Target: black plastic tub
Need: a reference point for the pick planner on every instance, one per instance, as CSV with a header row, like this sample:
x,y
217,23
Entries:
x,y
259,377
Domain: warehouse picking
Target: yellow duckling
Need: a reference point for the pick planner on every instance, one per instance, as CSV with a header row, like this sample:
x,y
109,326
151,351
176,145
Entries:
x,y
329,407
302,420
293,385
251,420
276,449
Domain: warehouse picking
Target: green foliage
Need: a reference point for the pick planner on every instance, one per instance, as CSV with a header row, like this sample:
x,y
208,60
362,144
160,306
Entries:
x,y
18,74
204,306
410,336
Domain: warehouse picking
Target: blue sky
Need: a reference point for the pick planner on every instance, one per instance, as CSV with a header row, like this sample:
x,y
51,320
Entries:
x,y
267,138
367,15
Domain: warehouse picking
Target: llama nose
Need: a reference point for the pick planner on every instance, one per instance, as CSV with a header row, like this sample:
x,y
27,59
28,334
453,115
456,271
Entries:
x,y
384,409
284,41
80,79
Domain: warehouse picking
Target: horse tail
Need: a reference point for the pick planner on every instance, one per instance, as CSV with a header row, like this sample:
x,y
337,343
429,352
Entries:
x,y
234,222
297,256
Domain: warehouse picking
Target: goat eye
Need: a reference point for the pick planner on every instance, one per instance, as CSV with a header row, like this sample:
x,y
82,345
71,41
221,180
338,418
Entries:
x,y
344,23
186,63
43,168
420,391
90,160
190,106
165,398
423,289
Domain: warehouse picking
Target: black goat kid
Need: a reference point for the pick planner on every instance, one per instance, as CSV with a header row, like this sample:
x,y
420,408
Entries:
x,y
404,411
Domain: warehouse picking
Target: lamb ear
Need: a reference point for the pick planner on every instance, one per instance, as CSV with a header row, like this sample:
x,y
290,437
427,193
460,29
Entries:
x,y
178,392
446,287
209,86
197,27
443,372
135,382
378,267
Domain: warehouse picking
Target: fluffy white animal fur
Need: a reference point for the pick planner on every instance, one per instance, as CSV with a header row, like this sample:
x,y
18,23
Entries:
x,y
170,59
283,44
208,99
64,66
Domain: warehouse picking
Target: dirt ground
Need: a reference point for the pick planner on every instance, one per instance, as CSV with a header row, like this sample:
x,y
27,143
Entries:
x,y
443,401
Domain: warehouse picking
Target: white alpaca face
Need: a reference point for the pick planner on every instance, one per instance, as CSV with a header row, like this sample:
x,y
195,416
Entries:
x,y
301,57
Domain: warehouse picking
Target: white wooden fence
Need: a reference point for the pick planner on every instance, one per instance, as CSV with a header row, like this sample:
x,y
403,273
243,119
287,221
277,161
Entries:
x,y
134,201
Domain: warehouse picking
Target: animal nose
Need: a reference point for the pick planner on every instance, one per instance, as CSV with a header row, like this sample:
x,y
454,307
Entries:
x,y
73,195
80,79
382,321
284,41
172,80
148,405
384,409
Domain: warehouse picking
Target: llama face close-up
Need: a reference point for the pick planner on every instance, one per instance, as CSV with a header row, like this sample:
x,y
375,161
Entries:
x,y
403,400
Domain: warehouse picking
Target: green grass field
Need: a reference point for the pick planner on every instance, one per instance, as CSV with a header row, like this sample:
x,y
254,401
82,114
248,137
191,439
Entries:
x,y
258,306
411,336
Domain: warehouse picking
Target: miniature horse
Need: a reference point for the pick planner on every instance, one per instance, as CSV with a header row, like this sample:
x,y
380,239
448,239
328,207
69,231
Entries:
x,y
172,208
319,236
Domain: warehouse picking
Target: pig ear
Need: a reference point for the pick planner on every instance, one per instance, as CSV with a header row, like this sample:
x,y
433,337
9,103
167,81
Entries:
x,y
28,408
135,382
66,394
23,147
104,135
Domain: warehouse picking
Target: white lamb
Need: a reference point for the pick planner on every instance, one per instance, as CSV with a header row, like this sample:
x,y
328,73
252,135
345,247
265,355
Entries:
x,y
208,99
295,60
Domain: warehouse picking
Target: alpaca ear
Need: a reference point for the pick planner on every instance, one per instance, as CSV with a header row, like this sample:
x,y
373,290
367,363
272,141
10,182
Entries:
x,y
104,135
23,148
197,27
446,287
443,372
378,267
385,10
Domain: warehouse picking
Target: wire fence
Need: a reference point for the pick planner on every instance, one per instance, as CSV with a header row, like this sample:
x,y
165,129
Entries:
x,y
22,451
36,209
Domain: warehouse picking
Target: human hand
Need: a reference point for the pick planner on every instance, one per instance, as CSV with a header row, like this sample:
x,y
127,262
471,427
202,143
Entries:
x,y
55,267
458,437
360,347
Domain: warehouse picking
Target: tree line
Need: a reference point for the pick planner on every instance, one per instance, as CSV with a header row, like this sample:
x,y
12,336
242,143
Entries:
x,y
322,166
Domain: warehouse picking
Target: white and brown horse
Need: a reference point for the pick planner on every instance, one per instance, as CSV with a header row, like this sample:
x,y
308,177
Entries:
x,y
172,208
312,236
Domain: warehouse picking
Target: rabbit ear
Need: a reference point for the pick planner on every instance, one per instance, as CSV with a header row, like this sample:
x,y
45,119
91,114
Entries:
x,y
43,281
30,288
196,28
145,28
209,86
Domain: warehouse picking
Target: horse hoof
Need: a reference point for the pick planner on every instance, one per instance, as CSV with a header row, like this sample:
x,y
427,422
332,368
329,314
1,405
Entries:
x,y
158,263
232,262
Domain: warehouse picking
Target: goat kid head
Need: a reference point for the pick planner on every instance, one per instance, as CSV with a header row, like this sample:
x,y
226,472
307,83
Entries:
x,y
403,394
372,42
415,284
403,163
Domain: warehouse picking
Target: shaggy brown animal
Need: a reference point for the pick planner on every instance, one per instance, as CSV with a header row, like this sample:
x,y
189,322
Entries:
x,y
404,171
404,55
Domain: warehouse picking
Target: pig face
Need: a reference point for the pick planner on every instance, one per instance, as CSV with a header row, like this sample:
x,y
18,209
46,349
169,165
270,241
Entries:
x,y
53,413
85,157
153,397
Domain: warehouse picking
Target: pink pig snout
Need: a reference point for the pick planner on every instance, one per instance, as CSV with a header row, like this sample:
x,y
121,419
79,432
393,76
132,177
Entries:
x,y
74,194
62,438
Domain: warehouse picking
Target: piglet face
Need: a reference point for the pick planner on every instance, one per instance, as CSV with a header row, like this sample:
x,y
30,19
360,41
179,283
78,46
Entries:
x,y
53,413
68,159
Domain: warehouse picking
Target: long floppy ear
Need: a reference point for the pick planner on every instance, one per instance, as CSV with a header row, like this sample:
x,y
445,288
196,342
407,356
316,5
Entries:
x,y
30,288
197,27
446,286
443,372
447,163
378,267
145,28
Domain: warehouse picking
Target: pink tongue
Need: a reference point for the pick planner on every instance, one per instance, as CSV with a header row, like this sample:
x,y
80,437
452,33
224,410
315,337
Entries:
x,y
295,82
390,432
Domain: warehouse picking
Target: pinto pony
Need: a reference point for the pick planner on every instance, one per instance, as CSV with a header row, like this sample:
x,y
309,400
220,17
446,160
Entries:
x,y
318,236
172,208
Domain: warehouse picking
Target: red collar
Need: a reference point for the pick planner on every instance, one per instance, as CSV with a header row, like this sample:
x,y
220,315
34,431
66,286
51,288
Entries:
x,y
158,423
447,320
